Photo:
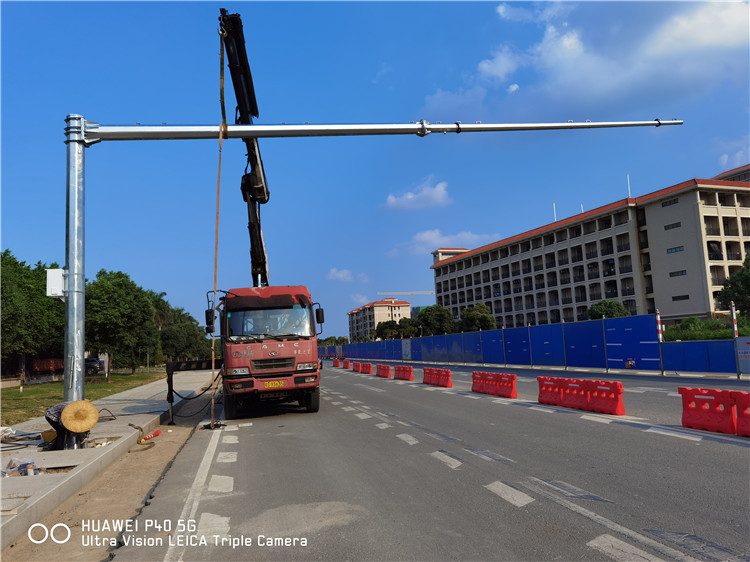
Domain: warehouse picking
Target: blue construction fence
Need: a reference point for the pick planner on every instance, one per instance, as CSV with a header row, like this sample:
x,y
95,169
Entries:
x,y
613,343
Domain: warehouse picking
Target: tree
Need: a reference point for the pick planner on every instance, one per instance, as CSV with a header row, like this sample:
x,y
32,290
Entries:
x,y
333,340
737,289
183,338
408,328
32,323
436,320
607,309
477,317
387,330
119,318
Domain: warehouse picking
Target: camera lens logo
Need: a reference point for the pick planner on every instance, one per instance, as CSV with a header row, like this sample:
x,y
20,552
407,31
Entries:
x,y
56,533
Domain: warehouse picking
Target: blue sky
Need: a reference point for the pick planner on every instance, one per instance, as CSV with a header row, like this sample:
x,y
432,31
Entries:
x,y
351,217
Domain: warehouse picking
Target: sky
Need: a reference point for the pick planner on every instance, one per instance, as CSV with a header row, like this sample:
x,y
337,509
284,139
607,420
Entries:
x,y
352,217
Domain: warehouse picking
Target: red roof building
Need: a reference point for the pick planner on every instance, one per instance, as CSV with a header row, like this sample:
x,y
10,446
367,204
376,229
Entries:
x,y
669,250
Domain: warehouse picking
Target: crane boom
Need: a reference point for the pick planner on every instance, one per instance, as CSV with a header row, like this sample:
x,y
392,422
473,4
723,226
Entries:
x,y
253,186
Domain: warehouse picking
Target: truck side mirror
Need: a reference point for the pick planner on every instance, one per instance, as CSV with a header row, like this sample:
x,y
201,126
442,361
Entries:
x,y
210,318
319,315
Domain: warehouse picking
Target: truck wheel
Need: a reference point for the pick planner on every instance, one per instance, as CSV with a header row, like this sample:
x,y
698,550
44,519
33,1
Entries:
x,y
312,401
91,371
230,407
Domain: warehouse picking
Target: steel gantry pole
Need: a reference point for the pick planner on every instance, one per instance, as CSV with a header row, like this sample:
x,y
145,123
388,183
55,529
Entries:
x,y
74,279
81,133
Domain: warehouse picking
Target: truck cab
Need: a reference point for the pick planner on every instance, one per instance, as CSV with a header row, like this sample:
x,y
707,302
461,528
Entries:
x,y
269,346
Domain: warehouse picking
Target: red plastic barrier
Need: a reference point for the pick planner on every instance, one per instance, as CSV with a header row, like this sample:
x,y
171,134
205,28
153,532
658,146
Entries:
x,y
437,377
384,371
44,365
495,384
575,393
709,409
482,383
357,367
742,401
606,397
336,363
366,368
346,363
404,373
506,386
550,391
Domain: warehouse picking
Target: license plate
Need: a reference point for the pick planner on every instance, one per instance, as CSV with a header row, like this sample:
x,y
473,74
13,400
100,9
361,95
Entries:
x,y
273,384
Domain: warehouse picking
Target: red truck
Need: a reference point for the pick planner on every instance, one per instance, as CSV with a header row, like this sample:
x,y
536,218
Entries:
x,y
269,346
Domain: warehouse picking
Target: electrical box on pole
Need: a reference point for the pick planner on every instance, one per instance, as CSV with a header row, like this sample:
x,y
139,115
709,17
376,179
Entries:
x,y
56,283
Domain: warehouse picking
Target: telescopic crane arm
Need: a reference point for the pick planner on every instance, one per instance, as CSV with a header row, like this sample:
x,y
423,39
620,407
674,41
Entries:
x,y
254,187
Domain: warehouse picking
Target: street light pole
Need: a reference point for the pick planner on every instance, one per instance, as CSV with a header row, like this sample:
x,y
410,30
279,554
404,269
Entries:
x,y
81,134
74,245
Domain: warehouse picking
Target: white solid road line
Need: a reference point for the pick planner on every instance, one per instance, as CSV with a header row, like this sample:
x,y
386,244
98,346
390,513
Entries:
x,y
191,502
673,434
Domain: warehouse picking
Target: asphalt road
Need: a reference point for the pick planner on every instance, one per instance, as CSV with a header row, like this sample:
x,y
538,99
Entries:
x,y
394,470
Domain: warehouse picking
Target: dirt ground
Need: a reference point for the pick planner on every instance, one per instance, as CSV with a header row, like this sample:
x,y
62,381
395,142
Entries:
x,y
118,493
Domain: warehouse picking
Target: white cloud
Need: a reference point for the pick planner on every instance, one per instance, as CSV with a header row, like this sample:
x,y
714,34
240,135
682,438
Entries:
x,y
694,47
340,274
422,197
503,63
540,13
735,153
359,299
428,241
345,275
719,25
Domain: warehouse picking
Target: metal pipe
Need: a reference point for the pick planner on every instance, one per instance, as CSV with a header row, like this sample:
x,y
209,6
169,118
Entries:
x,y
95,133
74,282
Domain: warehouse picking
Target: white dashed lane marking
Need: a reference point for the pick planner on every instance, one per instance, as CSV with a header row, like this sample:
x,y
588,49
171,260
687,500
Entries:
x,y
221,484
448,459
620,550
509,494
226,457
408,439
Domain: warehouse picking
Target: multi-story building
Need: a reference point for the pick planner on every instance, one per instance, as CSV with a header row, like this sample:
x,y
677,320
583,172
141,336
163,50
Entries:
x,y
669,250
365,319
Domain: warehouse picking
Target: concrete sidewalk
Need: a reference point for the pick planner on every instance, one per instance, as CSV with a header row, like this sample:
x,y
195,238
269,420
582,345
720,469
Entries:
x,y
123,419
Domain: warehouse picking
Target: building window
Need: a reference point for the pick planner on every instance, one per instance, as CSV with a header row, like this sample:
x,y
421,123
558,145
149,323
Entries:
x,y
681,298
675,249
669,202
678,273
673,225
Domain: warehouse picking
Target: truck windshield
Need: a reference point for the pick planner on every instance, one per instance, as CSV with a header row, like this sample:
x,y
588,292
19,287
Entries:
x,y
274,323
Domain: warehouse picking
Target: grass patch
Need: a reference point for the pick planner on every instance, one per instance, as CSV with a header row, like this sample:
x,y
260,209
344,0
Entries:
x,y
19,406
